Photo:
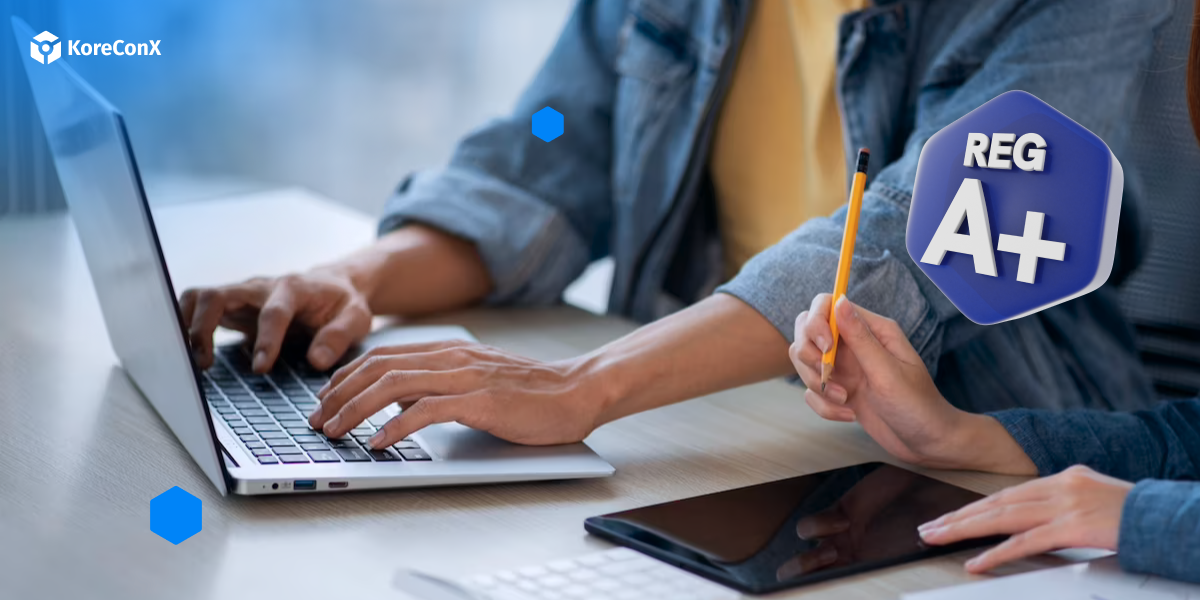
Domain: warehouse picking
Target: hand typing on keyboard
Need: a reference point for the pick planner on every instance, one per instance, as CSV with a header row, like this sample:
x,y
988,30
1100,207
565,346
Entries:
x,y
323,302
267,413
512,397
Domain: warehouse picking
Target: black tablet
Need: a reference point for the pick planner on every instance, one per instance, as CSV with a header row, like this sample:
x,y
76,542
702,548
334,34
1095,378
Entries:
x,y
793,532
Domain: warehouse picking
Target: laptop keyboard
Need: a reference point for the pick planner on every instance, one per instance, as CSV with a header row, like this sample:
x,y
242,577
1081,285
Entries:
x,y
269,414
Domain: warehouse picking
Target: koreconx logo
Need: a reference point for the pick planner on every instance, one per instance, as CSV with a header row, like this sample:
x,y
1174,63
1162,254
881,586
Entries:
x,y
41,50
45,48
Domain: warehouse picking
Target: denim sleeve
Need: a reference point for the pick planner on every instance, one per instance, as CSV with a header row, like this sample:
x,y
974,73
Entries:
x,y
1161,443
1160,530
538,236
1084,57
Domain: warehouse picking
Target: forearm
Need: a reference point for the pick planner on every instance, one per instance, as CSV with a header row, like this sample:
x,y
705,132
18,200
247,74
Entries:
x,y
717,344
1162,443
417,270
1158,530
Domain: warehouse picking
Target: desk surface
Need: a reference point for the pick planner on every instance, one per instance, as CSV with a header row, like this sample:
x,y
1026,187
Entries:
x,y
83,453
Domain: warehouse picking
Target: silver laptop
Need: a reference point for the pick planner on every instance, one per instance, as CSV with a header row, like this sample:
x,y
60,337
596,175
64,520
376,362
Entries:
x,y
247,432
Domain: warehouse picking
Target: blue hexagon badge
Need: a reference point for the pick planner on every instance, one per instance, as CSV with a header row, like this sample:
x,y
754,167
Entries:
x,y
1015,209
547,124
175,515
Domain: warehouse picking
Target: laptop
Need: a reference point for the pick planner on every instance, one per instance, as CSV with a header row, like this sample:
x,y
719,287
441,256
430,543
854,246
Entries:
x,y
247,432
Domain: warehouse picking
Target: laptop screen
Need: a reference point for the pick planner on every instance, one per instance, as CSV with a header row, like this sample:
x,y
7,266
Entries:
x,y
104,193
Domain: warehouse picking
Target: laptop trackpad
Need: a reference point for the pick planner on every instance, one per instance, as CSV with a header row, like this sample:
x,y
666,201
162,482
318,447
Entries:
x,y
451,441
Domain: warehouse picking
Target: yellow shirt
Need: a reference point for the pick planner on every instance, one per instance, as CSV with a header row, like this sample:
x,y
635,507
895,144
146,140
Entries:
x,y
778,157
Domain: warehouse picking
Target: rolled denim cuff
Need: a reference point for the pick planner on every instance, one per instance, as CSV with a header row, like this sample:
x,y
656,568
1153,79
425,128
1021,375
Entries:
x,y
1022,426
1160,530
530,250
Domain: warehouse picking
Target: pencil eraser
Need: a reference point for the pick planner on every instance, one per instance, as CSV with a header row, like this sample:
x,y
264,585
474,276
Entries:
x,y
1015,209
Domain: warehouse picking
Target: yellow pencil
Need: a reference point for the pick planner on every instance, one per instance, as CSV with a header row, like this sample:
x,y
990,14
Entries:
x,y
843,271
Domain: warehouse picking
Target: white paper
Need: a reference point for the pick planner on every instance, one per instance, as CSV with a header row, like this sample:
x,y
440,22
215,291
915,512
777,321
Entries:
x,y
1097,580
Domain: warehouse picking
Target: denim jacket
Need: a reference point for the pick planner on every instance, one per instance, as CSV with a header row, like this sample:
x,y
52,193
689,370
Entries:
x,y
640,83
1160,522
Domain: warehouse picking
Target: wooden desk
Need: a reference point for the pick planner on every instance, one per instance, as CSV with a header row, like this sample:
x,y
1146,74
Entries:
x,y
82,453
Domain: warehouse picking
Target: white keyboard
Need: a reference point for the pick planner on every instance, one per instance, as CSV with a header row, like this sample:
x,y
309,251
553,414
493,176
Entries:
x,y
619,574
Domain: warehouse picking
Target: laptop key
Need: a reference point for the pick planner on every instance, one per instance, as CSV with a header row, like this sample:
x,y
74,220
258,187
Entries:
x,y
294,458
415,454
254,412
242,430
308,438
248,437
353,455
313,446
349,444
281,443
261,452
324,456
274,435
383,456
255,445
268,460
406,445
291,450
259,420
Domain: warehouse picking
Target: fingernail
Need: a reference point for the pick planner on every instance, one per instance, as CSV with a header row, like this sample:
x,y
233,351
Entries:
x,y
931,524
321,357
376,441
333,423
315,417
260,360
929,534
827,555
837,394
822,343
974,562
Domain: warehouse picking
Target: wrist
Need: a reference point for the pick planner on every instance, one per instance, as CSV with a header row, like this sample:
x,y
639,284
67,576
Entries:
x,y
985,445
600,387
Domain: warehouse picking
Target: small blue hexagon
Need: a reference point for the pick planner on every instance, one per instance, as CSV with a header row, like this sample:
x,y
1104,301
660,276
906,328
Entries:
x,y
175,515
547,124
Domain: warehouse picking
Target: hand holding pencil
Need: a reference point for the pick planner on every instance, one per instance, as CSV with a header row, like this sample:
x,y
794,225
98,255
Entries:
x,y
847,256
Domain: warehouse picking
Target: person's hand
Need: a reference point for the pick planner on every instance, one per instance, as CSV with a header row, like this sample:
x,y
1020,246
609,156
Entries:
x,y
1078,508
881,382
894,398
515,398
324,303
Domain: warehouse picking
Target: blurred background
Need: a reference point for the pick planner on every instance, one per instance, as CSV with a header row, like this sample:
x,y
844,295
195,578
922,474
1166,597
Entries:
x,y
343,97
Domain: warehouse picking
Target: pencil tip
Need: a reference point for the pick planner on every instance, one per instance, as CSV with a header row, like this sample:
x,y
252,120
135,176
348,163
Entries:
x,y
864,150
822,388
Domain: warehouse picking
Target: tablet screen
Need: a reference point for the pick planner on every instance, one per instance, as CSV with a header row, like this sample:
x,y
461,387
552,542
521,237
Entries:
x,y
786,533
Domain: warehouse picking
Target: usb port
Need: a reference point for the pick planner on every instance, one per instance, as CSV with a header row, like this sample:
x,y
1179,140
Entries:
x,y
304,484
337,485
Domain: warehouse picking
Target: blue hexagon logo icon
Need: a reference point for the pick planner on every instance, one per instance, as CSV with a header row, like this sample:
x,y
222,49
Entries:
x,y
1015,209
547,124
175,515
